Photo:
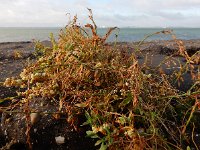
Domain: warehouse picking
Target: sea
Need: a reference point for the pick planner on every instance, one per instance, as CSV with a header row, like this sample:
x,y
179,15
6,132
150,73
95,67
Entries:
x,y
17,34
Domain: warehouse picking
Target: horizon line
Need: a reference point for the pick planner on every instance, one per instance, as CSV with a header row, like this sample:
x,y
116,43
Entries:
x,y
97,27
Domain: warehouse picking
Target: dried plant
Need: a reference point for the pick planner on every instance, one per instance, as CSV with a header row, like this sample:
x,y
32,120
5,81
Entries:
x,y
125,107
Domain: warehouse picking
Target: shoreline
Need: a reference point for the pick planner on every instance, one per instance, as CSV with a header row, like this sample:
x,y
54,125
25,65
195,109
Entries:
x,y
171,44
11,64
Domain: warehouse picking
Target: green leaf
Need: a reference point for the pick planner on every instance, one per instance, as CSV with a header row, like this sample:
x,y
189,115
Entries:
x,y
140,99
122,120
141,111
153,115
89,118
103,147
81,105
98,142
85,123
127,100
90,133
94,136
1,100
149,75
188,148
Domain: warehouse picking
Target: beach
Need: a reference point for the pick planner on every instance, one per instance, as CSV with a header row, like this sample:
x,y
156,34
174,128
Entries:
x,y
14,56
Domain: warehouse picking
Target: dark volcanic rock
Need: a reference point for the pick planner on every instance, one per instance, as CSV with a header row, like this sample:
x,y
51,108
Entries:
x,y
44,130
169,47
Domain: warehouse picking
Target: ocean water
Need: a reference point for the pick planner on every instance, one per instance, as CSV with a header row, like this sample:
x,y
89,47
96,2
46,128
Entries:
x,y
8,34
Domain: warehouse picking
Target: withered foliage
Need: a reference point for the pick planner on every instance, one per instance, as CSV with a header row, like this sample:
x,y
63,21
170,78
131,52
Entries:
x,y
125,107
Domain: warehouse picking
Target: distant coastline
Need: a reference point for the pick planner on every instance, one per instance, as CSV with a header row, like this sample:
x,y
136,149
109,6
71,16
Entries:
x,y
128,34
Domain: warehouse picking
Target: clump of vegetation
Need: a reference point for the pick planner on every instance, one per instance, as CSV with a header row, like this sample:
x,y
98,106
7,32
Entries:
x,y
126,106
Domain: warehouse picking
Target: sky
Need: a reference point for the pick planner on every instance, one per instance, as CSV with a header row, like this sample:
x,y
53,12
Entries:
x,y
108,13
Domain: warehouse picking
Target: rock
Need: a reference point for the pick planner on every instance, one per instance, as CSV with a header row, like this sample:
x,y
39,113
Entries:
x,y
60,140
35,117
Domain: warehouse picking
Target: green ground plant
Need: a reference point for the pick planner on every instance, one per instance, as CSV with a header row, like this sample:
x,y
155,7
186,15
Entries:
x,y
124,106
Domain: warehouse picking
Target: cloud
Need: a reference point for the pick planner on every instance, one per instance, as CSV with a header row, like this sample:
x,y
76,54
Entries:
x,y
106,12
36,12
151,5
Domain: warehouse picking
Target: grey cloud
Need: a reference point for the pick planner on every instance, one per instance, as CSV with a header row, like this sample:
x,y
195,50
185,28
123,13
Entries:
x,y
35,12
106,13
175,16
149,6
